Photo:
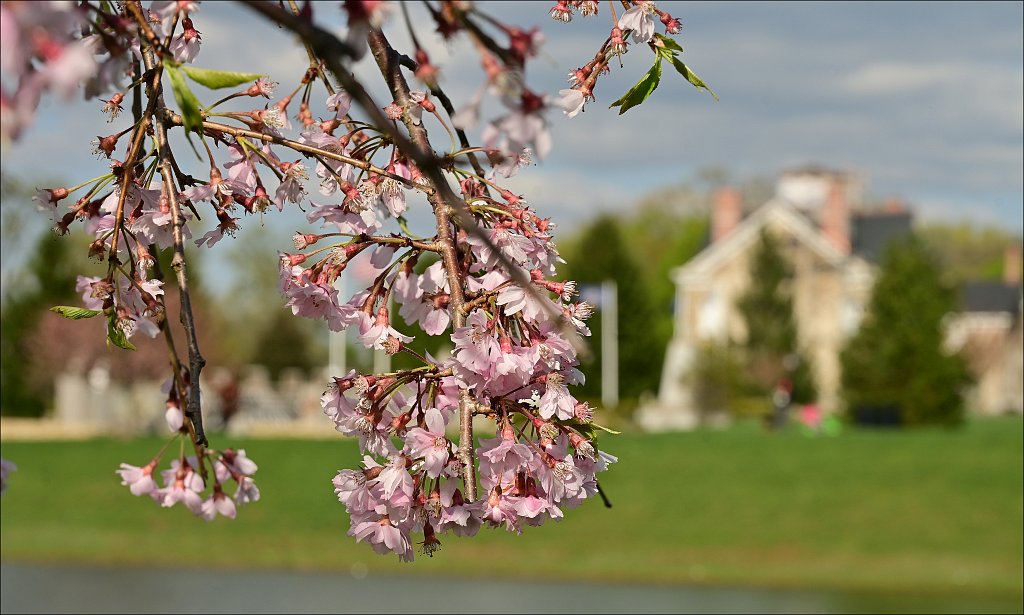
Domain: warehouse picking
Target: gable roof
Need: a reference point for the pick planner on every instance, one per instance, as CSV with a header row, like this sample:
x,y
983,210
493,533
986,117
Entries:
x,y
989,296
870,233
777,210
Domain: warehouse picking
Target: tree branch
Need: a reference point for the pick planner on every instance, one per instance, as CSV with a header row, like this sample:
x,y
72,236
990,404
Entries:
x,y
193,407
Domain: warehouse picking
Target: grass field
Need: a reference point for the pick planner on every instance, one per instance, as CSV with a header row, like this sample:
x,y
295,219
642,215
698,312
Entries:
x,y
925,511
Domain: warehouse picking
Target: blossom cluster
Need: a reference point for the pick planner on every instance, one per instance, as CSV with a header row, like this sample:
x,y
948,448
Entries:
x,y
485,275
511,359
186,480
42,49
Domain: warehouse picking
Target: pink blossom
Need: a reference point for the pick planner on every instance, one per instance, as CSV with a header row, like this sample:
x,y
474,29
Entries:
x,y
370,431
517,131
429,444
185,46
352,218
71,65
560,478
218,503
392,192
174,417
513,245
532,506
339,102
425,299
561,11
588,8
373,335
503,454
534,306
353,487
183,485
291,189
499,510
247,491
395,477
166,9
382,534
233,463
556,400
227,227
460,517
475,346
241,168
508,165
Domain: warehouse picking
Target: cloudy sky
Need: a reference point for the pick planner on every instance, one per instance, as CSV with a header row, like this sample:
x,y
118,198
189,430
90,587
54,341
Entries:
x,y
924,100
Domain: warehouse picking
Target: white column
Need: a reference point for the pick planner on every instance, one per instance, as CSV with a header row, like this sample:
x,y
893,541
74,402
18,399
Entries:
x,y
609,344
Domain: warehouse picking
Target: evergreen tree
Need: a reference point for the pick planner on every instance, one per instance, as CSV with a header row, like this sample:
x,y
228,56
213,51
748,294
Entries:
x,y
285,342
602,254
896,359
51,274
767,309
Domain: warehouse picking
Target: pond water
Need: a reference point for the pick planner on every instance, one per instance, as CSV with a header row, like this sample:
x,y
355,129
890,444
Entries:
x,y
50,588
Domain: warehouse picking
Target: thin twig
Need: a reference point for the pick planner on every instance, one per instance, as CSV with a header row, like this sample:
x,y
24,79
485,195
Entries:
x,y
193,407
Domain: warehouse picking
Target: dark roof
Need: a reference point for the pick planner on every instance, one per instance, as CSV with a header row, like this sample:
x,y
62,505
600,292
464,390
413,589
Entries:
x,y
989,296
870,233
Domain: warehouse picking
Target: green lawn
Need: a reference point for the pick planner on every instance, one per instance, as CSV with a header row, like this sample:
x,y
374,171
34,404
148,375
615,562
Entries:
x,y
927,511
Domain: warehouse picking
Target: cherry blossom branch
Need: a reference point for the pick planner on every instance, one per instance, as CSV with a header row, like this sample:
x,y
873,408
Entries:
x,y
331,50
174,119
388,62
193,408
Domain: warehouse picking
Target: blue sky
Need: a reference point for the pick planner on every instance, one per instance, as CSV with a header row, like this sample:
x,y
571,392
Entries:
x,y
924,100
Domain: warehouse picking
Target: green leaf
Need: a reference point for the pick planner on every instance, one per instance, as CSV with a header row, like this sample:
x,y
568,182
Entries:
x,y
116,336
690,76
187,101
404,225
669,43
73,313
641,91
218,79
603,428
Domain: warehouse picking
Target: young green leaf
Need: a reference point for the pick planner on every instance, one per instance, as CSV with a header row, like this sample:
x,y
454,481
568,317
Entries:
x,y
669,43
218,79
116,336
602,428
689,75
642,90
186,100
73,313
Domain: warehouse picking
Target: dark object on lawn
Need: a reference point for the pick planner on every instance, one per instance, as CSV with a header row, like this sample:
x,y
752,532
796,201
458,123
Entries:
x,y
878,416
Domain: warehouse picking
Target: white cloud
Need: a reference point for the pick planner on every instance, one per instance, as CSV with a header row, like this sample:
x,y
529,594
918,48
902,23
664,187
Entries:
x,y
926,100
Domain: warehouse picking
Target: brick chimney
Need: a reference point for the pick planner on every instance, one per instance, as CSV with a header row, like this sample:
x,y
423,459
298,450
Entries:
x,y
894,205
1011,265
726,212
835,218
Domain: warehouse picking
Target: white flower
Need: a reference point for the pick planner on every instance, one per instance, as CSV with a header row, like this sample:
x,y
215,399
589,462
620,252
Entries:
x,y
571,101
640,20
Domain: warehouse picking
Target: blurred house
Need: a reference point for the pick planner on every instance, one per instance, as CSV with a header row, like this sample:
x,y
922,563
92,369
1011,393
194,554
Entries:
x,y
988,332
833,243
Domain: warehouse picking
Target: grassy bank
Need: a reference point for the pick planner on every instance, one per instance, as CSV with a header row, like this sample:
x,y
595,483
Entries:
x,y
928,510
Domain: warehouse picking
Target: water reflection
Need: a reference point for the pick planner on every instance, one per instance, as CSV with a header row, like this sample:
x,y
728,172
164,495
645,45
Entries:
x,y
35,589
